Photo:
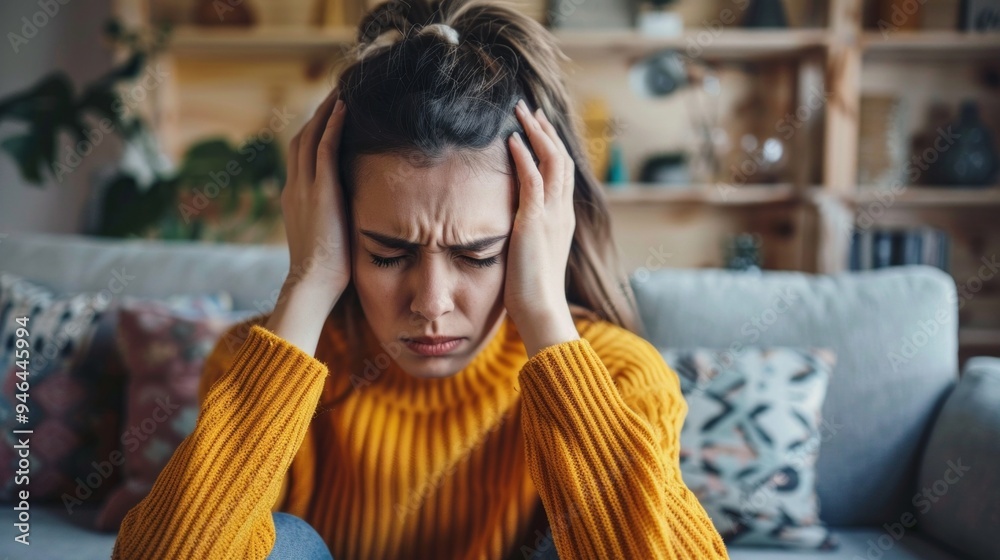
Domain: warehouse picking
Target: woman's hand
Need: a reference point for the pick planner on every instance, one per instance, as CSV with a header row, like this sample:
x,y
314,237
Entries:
x,y
312,203
315,219
535,289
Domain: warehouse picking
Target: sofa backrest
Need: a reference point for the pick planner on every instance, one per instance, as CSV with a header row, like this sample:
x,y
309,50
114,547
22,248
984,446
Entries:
x,y
895,333
877,411
252,274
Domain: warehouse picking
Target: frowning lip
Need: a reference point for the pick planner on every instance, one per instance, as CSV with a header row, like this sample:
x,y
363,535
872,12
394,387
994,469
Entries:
x,y
431,339
433,346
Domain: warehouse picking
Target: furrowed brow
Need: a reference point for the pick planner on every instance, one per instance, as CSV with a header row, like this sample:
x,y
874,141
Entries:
x,y
400,243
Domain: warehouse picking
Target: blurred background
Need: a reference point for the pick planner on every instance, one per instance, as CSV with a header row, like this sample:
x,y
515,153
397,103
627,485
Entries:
x,y
810,135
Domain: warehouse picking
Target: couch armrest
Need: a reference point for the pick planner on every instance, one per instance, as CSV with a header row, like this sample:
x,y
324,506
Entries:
x,y
959,477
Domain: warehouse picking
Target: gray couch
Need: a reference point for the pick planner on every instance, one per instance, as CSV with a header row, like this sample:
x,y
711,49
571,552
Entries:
x,y
892,427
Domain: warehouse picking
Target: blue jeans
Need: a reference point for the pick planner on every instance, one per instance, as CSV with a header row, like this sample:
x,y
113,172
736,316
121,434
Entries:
x,y
296,540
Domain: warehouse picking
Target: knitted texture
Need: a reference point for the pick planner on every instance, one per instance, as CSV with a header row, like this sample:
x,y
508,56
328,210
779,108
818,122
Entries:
x,y
576,447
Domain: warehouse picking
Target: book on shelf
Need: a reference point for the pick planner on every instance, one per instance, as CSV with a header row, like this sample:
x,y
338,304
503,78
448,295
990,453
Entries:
x,y
880,248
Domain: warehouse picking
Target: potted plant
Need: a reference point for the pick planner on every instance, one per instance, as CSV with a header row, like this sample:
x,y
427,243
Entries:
x,y
143,194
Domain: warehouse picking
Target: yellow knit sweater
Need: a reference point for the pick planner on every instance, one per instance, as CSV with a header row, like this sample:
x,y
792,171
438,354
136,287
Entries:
x,y
575,448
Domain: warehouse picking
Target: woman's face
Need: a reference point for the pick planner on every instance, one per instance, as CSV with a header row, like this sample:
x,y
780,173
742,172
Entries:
x,y
430,246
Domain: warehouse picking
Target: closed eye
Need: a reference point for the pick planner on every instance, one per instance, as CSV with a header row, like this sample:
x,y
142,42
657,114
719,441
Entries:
x,y
385,262
388,262
482,263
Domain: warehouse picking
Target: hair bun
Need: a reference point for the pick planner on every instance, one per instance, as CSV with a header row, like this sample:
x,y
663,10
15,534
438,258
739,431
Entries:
x,y
446,31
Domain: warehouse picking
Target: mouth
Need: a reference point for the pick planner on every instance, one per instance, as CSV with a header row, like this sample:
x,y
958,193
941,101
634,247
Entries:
x,y
433,345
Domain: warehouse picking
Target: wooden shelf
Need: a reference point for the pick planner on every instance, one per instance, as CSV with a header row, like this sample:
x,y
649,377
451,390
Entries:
x,y
745,195
730,44
191,39
931,45
932,196
978,336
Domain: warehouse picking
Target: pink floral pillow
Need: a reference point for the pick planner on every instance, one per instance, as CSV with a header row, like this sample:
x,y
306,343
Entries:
x,y
164,351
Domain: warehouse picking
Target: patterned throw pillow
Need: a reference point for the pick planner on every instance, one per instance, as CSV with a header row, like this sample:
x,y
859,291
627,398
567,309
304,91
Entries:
x,y
750,441
58,399
106,376
164,351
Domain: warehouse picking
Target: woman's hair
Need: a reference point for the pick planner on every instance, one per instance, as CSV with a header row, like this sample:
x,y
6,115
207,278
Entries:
x,y
424,92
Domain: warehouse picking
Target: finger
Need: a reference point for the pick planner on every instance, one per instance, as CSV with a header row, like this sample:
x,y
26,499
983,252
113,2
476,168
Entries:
x,y
548,157
568,165
531,196
311,135
550,130
293,154
329,143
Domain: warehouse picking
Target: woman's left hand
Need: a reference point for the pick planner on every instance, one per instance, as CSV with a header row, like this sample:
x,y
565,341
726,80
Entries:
x,y
538,250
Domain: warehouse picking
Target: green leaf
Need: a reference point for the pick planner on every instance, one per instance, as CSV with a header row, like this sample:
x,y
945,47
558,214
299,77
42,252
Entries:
x,y
25,151
208,158
101,102
126,210
51,93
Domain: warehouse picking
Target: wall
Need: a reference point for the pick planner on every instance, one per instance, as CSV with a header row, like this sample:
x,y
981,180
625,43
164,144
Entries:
x,y
70,41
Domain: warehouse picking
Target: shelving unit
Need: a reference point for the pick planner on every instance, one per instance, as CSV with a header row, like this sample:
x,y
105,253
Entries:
x,y
226,71
930,45
746,195
932,197
729,46
255,41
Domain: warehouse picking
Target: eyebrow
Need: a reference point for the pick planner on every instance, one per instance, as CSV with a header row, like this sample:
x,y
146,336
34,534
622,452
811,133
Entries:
x,y
400,243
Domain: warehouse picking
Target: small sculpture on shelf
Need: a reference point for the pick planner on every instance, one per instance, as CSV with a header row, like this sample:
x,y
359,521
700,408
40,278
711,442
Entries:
x,y
743,252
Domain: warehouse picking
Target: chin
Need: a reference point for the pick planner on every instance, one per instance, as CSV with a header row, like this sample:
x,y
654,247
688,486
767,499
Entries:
x,y
430,368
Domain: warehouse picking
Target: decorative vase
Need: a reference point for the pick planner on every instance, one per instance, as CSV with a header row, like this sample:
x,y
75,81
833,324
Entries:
x,y
617,173
972,160
765,13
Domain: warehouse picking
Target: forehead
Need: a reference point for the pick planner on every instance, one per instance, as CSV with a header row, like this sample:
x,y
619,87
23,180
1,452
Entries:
x,y
396,196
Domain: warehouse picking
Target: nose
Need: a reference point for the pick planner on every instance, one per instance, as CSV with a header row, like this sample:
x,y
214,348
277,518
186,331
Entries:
x,y
432,292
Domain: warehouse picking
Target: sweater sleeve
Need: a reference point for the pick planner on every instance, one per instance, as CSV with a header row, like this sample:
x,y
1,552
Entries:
x,y
215,496
603,451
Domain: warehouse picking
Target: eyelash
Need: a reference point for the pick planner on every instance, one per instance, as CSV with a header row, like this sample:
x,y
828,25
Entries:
x,y
388,262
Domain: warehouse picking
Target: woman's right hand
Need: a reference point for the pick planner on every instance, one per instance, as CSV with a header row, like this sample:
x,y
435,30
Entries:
x,y
312,204
315,218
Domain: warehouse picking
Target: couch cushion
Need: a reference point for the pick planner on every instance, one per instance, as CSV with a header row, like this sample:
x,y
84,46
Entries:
x,y
750,442
890,378
859,544
960,471
43,390
164,346
252,274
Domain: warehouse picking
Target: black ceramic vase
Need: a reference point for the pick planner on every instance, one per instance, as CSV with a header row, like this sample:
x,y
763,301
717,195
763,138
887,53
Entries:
x,y
765,13
972,159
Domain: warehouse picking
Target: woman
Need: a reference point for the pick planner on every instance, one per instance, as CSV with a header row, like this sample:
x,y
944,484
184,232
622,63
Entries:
x,y
450,369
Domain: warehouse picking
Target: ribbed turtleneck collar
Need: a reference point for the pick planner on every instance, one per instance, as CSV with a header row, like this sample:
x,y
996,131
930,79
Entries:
x,y
495,368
